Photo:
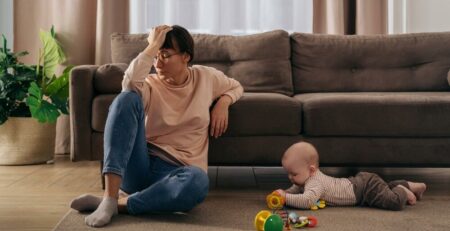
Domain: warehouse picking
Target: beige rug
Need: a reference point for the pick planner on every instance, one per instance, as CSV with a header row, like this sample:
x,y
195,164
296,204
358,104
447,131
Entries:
x,y
235,210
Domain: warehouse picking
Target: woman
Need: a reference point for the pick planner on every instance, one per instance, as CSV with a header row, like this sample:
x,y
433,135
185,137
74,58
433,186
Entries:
x,y
156,133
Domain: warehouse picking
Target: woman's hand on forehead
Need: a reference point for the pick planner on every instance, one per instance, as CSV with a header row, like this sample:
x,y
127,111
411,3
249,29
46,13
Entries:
x,y
157,36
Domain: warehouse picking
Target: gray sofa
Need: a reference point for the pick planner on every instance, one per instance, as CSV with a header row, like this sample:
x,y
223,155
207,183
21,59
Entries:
x,y
362,100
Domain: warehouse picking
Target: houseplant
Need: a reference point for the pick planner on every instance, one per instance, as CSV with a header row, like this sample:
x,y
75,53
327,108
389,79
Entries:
x,y
31,99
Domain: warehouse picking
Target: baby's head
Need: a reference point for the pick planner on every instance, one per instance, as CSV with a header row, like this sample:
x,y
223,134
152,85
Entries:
x,y
301,161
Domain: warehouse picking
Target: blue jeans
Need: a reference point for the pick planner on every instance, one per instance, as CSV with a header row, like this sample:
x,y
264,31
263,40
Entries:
x,y
153,184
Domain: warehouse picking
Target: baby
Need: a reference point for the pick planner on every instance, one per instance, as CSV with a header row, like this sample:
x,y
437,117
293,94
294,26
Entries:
x,y
301,161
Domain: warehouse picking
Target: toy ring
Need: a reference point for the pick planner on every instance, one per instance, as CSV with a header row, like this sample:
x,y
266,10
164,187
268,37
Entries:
x,y
275,201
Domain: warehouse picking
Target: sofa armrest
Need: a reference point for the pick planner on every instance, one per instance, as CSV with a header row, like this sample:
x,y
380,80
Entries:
x,y
81,93
448,77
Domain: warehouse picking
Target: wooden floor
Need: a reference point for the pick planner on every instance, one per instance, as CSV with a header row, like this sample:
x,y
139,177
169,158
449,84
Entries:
x,y
36,197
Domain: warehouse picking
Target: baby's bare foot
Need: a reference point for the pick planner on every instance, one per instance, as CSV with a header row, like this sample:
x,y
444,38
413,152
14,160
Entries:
x,y
410,195
417,188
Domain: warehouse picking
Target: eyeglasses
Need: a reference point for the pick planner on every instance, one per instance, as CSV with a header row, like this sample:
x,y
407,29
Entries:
x,y
164,56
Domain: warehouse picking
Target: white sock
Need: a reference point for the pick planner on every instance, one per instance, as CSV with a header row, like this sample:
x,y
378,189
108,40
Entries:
x,y
102,215
86,202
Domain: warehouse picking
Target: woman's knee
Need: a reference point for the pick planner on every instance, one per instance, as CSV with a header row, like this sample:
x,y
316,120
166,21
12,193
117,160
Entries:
x,y
127,98
196,186
199,179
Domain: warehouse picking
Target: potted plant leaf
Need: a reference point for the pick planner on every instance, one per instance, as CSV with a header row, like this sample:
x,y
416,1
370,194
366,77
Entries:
x,y
31,99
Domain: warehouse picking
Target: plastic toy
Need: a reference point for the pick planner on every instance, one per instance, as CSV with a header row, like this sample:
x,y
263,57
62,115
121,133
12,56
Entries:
x,y
267,221
279,218
300,222
275,201
320,204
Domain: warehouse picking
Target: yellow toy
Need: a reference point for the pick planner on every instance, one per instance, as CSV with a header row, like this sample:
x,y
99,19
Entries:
x,y
320,204
279,218
275,201
267,221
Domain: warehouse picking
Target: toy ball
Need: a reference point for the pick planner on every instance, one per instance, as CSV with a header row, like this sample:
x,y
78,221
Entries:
x,y
266,221
312,221
275,201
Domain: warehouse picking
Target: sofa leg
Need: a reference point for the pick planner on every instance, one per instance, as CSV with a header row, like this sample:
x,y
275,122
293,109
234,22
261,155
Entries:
x,y
101,175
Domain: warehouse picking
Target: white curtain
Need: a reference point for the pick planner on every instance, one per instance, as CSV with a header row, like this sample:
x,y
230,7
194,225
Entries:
x,y
233,17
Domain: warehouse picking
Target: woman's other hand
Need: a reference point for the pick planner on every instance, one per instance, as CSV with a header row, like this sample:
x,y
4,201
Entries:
x,y
156,39
219,116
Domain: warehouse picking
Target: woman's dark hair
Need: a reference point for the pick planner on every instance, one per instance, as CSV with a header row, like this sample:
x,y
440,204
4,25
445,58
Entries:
x,y
183,41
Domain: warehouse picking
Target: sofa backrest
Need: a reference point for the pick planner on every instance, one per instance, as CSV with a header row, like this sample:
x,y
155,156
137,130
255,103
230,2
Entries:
x,y
348,63
260,62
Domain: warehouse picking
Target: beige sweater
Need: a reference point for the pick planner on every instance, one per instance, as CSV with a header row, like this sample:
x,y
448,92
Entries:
x,y
335,191
177,117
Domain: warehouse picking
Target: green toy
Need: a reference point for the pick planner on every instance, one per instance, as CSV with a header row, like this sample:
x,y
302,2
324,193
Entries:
x,y
267,221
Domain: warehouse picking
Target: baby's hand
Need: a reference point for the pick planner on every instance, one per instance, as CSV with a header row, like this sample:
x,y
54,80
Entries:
x,y
281,192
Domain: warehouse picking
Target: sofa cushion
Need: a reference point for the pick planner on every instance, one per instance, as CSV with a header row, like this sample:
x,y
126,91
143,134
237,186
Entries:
x,y
125,47
100,109
399,114
108,78
260,62
365,63
264,114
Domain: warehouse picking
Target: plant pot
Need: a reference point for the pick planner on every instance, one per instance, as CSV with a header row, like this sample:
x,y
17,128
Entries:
x,y
26,141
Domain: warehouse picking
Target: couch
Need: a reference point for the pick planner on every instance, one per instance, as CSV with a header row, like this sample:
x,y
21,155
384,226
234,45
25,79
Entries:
x,y
378,100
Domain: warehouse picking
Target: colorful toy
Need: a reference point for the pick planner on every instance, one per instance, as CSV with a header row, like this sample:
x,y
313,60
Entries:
x,y
274,221
275,200
300,222
267,221
320,204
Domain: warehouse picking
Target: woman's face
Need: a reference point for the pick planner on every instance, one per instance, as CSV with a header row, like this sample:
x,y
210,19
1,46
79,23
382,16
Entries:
x,y
169,62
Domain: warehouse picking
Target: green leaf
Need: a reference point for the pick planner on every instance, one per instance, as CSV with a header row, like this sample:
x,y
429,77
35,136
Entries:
x,y
20,95
52,53
2,57
40,109
61,104
25,74
52,31
20,54
3,115
5,47
60,86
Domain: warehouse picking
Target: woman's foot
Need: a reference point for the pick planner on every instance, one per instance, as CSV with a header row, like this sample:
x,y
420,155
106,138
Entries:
x,y
103,214
85,203
410,195
417,188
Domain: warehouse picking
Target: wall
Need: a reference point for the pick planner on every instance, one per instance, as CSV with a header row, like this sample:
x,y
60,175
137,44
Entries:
x,y
6,21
